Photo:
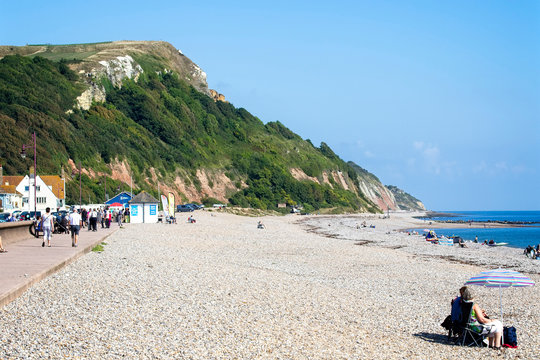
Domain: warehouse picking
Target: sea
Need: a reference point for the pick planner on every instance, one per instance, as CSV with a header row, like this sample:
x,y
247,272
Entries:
x,y
518,237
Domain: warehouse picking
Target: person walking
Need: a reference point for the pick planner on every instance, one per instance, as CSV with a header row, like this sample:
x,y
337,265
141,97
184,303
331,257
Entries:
x,y
47,225
75,222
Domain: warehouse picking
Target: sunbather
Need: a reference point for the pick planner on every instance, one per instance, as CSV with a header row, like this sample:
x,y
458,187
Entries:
x,y
482,324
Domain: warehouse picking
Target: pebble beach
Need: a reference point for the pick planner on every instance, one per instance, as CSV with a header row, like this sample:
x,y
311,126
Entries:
x,y
306,287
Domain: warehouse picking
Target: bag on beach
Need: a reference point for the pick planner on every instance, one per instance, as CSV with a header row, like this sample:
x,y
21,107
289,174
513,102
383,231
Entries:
x,y
509,337
447,323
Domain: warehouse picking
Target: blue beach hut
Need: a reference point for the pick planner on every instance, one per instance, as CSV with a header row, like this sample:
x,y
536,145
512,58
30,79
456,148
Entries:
x,y
123,198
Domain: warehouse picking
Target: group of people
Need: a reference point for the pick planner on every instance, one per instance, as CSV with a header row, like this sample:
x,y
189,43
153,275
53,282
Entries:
x,y
77,219
532,253
74,220
12,218
105,217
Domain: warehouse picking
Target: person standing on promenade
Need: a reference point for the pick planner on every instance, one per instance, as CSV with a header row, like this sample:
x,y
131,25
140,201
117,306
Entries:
x,y
2,250
75,222
93,220
119,217
83,214
108,219
47,224
100,217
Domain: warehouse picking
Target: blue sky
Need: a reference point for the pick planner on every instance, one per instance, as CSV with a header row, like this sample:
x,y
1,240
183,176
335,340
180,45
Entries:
x,y
441,99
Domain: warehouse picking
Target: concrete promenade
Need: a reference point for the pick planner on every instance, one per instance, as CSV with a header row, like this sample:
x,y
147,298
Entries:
x,y
27,263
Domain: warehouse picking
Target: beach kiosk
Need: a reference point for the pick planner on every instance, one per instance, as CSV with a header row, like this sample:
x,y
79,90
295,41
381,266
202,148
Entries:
x,y
143,209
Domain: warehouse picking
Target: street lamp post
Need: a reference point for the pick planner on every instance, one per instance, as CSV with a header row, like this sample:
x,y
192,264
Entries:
x,y
23,155
80,188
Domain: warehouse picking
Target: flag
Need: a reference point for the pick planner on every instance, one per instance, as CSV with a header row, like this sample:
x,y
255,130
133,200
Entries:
x,y
165,204
171,204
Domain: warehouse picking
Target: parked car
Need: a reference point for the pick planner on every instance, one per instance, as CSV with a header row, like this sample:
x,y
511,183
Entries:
x,y
185,208
195,206
4,217
29,215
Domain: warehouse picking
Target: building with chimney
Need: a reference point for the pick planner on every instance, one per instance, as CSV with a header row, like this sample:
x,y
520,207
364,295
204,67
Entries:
x,y
50,191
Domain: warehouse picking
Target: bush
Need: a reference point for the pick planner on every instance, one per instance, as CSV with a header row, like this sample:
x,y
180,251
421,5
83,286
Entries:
x,y
210,201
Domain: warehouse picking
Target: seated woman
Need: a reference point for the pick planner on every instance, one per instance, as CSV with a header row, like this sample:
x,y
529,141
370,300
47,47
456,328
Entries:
x,y
492,328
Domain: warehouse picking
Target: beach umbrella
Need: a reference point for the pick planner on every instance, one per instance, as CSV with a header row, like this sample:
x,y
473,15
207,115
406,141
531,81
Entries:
x,y
500,278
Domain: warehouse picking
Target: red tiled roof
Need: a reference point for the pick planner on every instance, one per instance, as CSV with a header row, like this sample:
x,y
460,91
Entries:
x,y
8,189
56,183
12,180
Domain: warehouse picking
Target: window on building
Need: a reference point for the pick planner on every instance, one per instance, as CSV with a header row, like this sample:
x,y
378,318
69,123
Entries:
x,y
41,200
26,188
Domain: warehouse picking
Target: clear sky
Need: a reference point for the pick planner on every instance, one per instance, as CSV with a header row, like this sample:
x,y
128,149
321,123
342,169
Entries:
x,y
440,98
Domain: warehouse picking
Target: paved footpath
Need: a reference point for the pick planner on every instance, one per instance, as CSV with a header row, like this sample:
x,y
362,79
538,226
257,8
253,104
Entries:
x,y
27,263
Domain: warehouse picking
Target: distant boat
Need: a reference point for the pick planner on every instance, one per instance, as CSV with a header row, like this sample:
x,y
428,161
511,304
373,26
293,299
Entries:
x,y
498,244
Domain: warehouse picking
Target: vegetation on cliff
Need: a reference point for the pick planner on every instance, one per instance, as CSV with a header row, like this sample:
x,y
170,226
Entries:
x,y
164,129
406,201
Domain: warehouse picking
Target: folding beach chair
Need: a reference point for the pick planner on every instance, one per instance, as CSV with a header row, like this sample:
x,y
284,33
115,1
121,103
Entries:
x,y
471,334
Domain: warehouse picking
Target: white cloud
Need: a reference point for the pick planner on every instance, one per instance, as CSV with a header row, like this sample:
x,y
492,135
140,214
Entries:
x,y
369,154
431,156
481,167
418,145
500,167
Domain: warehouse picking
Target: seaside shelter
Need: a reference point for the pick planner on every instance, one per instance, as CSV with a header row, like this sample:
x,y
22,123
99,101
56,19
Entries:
x,y
123,198
143,209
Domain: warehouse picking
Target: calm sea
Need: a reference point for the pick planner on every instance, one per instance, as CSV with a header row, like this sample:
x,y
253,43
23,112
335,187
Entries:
x,y
516,237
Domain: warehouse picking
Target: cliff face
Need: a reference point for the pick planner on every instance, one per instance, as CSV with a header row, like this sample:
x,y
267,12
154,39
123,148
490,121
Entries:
x,y
127,111
406,201
374,190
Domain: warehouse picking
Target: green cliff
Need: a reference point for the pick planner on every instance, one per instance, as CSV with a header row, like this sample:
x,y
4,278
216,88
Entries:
x,y
142,112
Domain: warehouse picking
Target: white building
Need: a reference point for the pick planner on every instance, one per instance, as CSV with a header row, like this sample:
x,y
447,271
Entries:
x,y
143,208
50,191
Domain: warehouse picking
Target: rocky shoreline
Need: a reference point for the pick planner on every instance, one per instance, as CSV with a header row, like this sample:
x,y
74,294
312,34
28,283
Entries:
x,y
312,287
